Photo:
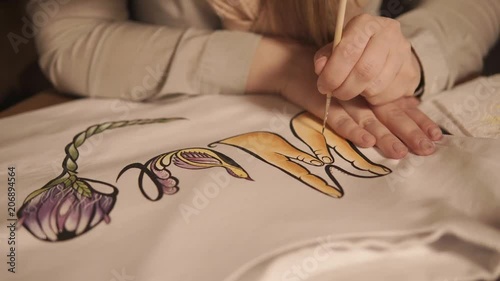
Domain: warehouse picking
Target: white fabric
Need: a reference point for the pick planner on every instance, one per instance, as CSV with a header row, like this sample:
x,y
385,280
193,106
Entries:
x,y
472,109
433,218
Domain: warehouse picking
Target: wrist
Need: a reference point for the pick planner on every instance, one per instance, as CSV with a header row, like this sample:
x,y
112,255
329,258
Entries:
x,y
275,62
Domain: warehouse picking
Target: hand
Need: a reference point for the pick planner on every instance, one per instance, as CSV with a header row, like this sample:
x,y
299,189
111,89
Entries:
x,y
373,60
395,128
287,68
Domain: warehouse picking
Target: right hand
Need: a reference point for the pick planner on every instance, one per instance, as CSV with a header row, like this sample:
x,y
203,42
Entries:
x,y
395,128
373,59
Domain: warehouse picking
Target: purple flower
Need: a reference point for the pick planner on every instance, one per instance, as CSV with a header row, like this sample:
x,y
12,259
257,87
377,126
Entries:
x,y
66,209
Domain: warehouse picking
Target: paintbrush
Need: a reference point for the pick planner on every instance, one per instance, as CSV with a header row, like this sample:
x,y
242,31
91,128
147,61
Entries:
x,y
339,27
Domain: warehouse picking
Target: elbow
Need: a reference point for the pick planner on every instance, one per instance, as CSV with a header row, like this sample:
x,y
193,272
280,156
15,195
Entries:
x,y
52,65
61,60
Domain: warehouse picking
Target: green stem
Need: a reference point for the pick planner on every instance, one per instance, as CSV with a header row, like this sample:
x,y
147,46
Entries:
x,y
68,176
72,154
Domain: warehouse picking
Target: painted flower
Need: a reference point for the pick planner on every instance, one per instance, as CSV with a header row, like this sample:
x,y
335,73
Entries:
x,y
66,208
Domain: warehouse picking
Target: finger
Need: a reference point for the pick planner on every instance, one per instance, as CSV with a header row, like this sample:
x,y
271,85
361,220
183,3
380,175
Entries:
x,y
388,143
357,34
338,120
405,128
308,129
367,69
428,126
343,124
391,69
321,57
306,158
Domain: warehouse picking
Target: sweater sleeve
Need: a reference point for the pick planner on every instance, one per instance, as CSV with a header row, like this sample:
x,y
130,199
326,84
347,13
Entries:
x,y
91,48
451,38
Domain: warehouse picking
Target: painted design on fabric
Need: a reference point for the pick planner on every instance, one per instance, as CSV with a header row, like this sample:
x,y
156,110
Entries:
x,y
70,206
188,158
278,152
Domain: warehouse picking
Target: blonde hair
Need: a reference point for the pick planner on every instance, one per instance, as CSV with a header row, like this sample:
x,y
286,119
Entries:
x,y
309,21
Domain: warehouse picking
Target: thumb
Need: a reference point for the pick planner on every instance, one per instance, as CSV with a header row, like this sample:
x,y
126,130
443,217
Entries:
x,y
321,58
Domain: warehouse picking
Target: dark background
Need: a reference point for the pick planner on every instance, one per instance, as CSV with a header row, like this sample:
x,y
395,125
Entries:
x,y
20,76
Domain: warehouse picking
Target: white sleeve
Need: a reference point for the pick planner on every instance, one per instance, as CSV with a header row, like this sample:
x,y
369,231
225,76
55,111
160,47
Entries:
x,y
451,38
90,48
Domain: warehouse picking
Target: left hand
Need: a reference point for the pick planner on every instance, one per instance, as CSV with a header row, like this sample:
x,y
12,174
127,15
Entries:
x,y
373,60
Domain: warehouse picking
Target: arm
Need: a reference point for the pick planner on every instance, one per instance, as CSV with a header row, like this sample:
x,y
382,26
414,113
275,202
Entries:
x,y
394,128
88,47
451,38
284,67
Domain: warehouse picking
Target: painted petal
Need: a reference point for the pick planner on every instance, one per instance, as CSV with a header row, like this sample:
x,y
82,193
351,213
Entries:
x,y
47,210
107,219
170,190
163,174
107,203
31,223
98,216
170,182
73,218
199,157
86,214
44,213
64,210
181,164
65,206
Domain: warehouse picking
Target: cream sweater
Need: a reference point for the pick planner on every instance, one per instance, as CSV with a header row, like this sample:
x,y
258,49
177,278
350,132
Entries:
x,y
94,48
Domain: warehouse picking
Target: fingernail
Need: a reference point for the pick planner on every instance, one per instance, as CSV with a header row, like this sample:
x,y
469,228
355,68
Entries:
x,y
400,148
322,90
436,133
316,163
368,139
326,160
426,145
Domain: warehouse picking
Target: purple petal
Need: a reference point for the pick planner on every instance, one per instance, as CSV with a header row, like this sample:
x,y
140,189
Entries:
x,y
86,214
66,206
44,213
202,158
170,190
98,216
162,174
73,218
107,219
31,223
181,164
170,182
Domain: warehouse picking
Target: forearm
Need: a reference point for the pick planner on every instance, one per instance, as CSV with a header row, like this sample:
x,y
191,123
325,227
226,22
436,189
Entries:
x,y
451,38
90,48
274,63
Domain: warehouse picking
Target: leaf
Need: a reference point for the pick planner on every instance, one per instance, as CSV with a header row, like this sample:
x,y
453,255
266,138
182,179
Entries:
x,y
35,194
82,188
